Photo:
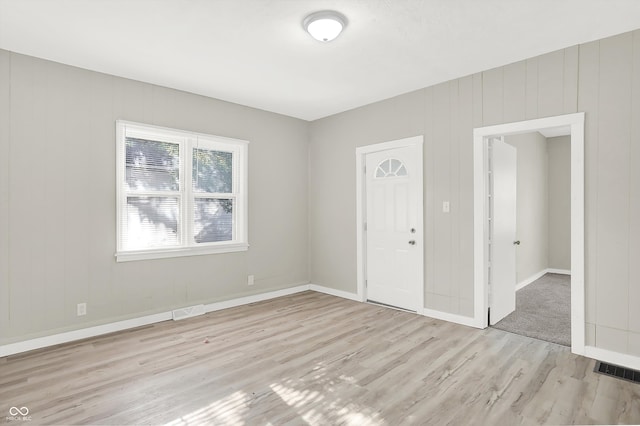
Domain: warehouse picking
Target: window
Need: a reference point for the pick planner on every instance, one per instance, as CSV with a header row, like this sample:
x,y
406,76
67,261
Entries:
x,y
391,168
179,193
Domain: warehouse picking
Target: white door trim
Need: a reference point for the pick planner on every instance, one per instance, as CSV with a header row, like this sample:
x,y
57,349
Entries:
x,y
361,153
575,123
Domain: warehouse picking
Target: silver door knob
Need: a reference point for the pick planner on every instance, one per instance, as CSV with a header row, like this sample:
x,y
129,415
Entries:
x,y
412,242
516,243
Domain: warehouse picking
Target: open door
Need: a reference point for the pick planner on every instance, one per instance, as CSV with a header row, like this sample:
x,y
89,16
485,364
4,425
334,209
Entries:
x,y
502,229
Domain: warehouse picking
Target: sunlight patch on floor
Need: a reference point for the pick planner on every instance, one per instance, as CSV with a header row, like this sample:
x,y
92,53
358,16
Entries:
x,y
229,410
315,408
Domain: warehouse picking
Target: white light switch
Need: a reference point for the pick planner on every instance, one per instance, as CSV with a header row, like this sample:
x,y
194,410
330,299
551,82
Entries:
x,y
445,207
81,309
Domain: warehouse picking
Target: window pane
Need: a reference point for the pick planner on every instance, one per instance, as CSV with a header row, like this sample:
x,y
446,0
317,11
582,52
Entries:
x,y
152,165
395,165
152,222
213,220
391,168
212,171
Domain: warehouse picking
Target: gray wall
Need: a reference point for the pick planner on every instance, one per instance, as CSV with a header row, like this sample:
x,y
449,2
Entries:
x,y
559,152
331,174
57,190
57,200
608,90
532,216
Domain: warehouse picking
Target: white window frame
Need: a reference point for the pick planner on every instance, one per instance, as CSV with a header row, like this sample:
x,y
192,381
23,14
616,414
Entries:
x,y
187,141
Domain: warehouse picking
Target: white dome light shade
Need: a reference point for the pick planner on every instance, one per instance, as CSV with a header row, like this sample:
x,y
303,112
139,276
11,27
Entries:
x,y
324,29
324,26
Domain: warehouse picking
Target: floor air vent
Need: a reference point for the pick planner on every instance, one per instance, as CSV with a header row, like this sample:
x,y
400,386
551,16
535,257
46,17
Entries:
x,y
188,312
616,371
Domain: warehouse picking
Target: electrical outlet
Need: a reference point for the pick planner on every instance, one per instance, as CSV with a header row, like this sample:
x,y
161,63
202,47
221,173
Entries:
x,y
82,309
445,207
250,280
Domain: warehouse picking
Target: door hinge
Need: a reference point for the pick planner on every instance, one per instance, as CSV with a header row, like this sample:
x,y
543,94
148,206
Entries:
x,y
365,226
364,170
366,283
489,315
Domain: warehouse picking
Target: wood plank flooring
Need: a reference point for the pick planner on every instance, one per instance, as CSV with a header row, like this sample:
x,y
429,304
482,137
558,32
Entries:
x,y
312,359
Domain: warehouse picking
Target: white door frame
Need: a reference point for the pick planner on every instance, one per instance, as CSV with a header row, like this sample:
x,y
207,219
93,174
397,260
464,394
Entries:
x,y
361,153
575,123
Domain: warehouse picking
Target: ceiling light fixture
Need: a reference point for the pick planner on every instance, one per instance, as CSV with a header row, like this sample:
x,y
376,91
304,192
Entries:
x,y
325,25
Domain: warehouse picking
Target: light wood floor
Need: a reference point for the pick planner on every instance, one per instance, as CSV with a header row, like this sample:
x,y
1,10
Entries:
x,y
312,359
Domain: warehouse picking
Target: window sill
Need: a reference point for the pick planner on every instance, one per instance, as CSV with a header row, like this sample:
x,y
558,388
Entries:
x,y
129,256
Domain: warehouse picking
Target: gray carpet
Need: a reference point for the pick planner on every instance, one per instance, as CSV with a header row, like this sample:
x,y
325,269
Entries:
x,y
543,310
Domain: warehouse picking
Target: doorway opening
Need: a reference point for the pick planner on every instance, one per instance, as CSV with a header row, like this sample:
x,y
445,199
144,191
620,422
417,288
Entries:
x,y
494,281
390,230
542,240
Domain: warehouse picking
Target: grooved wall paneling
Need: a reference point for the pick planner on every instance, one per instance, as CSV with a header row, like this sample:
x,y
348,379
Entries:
x,y
429,197
531,109
58,214
442,191
464,198
588,101
5,118
599,78
634,201
614,125
570,80
492,96
551,84
57,188
515,92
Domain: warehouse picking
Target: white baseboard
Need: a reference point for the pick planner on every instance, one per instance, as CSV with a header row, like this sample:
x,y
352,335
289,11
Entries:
x,y
623,360
334,292
532,278
522,284
56,339
458,319
445,316
559,271
84,333
217,306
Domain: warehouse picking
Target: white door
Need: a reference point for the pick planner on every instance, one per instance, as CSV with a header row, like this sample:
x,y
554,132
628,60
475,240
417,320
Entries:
x,y
393,228
502,229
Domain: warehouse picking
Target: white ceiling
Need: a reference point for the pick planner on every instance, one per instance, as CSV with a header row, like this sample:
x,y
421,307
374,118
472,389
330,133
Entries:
x,y
255,52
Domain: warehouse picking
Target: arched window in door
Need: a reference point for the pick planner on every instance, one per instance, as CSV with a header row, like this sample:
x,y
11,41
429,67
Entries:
x,y
391,167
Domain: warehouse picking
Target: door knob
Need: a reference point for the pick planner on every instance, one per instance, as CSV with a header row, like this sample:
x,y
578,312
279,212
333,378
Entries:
x,y
516,243
412,242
